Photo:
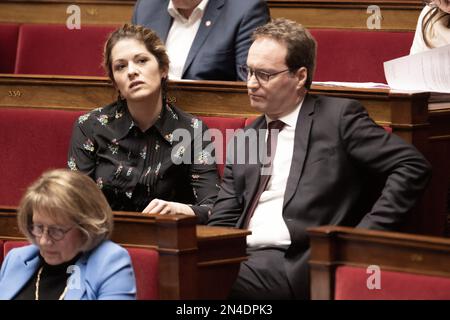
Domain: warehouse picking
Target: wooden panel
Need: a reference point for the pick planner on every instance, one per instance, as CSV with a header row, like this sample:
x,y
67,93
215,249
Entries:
x,y
396,15
333,246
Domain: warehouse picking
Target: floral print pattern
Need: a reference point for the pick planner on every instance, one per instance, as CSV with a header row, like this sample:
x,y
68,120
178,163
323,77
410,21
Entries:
x,y
132,167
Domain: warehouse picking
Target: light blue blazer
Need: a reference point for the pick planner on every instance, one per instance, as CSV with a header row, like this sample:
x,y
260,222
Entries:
x,y
104,273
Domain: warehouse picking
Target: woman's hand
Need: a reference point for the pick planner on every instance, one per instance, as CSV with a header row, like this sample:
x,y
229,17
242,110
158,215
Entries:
x,y
166,207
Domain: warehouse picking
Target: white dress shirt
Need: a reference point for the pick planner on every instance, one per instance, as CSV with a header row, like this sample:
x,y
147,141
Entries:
x,y
267,224
181,36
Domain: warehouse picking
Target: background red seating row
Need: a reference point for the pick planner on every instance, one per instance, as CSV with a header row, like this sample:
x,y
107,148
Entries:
x,y
343,55
35,140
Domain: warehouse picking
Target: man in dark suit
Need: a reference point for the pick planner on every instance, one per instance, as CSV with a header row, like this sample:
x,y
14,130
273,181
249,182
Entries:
x,y
205,39
325,152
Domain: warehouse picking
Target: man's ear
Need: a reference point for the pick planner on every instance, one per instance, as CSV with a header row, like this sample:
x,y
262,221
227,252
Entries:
x,y
302,75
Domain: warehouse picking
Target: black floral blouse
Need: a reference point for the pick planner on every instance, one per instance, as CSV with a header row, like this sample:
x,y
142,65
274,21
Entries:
x,y
132,167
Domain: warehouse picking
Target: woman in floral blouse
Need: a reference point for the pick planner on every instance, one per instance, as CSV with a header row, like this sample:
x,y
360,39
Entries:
x,y
132,148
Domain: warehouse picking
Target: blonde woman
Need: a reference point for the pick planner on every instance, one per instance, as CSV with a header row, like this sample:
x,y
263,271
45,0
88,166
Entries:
x,y
68,221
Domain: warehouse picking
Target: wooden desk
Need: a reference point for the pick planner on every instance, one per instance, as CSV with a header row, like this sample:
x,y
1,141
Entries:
x,y
195,262
333,246
400,15
405,112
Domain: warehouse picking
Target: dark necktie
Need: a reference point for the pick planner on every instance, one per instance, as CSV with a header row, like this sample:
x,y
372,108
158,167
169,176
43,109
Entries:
x,y
266,169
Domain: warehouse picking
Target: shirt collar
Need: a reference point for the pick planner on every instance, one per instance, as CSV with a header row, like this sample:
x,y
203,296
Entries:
x,y
198,12
291,118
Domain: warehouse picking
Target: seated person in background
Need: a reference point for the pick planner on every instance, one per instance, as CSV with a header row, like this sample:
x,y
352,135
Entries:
x,y
68,220
327,147
128,146
205,39
433,26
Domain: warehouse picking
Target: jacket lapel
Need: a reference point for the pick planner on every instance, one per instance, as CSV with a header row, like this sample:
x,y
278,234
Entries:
x,y
301,141
252,170
211,14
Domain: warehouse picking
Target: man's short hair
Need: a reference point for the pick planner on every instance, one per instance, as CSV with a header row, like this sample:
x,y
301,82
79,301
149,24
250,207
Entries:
x,y
301,45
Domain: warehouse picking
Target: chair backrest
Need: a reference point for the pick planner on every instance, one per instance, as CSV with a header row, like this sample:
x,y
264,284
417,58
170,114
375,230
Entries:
x,y
349,263
9,34
222,124
145,265
351,284
32,141
355,56
9,245
55,49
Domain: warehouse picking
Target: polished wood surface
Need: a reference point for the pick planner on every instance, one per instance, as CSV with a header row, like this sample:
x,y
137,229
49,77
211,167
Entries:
x,y
333,246
195,262
395,15
405,112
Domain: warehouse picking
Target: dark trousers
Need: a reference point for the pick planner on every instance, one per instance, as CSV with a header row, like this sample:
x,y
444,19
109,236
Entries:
x,y
263,276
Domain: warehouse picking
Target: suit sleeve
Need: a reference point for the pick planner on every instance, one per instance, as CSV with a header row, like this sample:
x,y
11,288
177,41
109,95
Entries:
x,y
204,179
228,208
407,171
257,15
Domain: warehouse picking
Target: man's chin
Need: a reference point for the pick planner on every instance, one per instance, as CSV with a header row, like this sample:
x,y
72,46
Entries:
x,y
258,106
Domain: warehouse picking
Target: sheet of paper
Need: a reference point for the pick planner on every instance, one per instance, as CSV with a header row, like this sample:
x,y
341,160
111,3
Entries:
x,y
352,84
427,71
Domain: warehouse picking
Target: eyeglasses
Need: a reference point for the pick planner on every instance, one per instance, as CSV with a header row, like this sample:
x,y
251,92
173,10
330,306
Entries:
x,y
261,76
55,233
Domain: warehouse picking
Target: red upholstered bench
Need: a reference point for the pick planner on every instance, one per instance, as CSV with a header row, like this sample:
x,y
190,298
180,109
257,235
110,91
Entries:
x,y
8,39
357,56
38,139
55,49
351,284
32,141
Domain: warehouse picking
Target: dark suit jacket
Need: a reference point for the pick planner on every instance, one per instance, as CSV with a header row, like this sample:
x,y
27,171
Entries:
x,y
218,49
337,149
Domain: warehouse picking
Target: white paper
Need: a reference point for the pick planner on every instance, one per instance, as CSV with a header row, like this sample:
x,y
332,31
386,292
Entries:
x,y
363,85
425,71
